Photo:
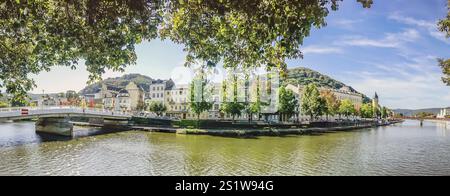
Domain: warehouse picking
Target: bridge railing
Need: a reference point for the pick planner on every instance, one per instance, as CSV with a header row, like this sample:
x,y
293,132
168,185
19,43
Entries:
x,y
33,111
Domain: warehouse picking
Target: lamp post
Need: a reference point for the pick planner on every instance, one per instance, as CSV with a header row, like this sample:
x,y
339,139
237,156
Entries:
x,y
43,97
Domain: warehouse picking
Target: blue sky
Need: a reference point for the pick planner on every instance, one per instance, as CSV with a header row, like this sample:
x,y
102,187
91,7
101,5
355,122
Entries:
x,y
390,48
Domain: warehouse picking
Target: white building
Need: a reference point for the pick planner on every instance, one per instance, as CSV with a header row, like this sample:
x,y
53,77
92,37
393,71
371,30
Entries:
x,y
125,100
445,112
341,94
158,89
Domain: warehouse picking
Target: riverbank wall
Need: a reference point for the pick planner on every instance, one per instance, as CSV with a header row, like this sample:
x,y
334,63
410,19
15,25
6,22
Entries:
x,y
267,131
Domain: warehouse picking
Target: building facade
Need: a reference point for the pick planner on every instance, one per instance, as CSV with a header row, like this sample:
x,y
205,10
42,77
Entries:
x,y
157,90
444,113
341,94
123,100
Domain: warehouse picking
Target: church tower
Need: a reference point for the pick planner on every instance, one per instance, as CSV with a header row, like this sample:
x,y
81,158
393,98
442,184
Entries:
x,y
375,105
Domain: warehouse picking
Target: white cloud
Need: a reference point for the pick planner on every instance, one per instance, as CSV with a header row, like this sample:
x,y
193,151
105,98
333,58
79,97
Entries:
x,y
407,93
321,50
346,23
429,26
414,84
391,40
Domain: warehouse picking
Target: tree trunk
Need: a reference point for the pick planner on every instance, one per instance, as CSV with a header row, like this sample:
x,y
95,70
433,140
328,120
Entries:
x,y
198,121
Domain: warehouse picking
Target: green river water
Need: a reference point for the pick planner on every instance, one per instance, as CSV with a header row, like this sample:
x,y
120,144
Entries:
x,y
402,149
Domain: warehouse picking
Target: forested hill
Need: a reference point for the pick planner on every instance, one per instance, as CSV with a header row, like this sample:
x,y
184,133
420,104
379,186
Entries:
x,y
295,76
119,82
305,76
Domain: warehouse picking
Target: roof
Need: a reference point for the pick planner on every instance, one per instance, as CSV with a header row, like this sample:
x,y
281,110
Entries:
x,y
159,81
123,91
113,88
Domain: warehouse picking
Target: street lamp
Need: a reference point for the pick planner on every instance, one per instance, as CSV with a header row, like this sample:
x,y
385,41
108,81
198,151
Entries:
x,y
43,97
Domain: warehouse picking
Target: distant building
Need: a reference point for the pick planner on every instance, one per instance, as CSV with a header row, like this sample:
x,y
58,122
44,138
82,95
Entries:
x,y
158,88
341,94
176,101
444,113
126,100
136,97
376,106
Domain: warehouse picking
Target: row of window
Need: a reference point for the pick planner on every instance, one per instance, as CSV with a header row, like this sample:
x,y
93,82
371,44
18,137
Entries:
x,y
177,100
181,92
157,95
158,88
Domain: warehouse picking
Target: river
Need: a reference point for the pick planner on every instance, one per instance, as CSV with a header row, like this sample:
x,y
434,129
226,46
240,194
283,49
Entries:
x,y
402,149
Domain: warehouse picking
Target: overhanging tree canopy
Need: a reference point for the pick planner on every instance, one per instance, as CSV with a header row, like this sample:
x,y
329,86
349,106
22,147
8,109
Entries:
x,y
444,26
36,35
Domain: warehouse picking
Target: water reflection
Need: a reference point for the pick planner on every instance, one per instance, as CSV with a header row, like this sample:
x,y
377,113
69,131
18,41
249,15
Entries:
x,y
405,149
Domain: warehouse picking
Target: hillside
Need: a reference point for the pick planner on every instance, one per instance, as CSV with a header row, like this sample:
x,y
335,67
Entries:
x,y
120,82
295,76
408,112
305,76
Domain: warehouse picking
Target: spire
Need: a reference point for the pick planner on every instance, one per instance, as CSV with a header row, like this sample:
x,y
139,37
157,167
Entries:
x,y
376,95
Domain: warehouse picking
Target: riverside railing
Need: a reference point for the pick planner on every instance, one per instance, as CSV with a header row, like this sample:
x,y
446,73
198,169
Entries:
x,y
35,111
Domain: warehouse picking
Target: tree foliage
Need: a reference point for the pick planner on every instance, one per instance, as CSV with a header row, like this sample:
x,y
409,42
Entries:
x,y
3,104
256,105
445,65
234,108
247,32
384,112
313,104
444,26
199,93
332,103
157,107
347,108
37,35
366,111
288,104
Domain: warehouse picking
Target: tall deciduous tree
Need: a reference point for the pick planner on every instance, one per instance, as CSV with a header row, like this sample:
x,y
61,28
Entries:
x,y
347,108
288,104
256,104
234,108
313,104
366,111
199,92
332,103
384,112
158,108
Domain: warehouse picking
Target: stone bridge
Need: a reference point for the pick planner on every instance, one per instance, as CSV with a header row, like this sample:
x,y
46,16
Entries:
x,y
57,120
